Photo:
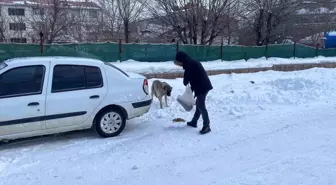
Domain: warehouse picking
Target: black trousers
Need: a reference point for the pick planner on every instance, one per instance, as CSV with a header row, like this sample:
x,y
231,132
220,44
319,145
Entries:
x,y
201,110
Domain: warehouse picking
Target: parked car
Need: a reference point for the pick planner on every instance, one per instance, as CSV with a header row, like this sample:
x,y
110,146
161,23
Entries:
x,y
48,95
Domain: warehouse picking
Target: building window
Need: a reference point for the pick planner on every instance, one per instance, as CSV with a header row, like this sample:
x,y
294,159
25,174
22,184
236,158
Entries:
x,y
38,11
39,26
17,26
76,13
18,40
93,14
16,11
91,28
78,27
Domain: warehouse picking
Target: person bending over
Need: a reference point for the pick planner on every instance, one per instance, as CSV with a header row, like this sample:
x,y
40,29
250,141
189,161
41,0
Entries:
x,y
196,76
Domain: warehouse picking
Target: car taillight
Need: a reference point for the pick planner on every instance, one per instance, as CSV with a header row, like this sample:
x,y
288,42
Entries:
x,y
145,86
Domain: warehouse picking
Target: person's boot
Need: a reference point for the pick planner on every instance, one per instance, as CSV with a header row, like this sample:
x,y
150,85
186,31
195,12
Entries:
x,y
192,124
205,129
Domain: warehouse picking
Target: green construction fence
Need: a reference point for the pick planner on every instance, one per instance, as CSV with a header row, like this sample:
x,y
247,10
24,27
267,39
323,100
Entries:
x,y
112,52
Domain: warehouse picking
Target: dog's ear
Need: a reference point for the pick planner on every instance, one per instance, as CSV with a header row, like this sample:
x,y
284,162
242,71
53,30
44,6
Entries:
x,y
165,87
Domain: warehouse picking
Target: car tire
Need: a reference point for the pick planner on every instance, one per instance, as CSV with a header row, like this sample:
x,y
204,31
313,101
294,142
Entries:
x,y
110,123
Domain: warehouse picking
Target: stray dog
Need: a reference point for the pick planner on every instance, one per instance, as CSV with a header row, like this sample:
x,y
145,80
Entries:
x,y
160,89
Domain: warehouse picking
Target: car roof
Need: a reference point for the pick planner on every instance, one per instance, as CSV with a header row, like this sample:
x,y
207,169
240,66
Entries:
x,y
49,58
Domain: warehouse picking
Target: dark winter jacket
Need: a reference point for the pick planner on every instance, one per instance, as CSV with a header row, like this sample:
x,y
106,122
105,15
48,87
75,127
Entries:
x,y
194,74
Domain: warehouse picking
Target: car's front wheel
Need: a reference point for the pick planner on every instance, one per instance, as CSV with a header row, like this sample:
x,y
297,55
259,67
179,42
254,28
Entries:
x,y
110,123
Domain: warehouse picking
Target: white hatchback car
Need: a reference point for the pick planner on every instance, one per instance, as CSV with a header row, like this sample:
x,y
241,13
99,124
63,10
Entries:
x,y
47,95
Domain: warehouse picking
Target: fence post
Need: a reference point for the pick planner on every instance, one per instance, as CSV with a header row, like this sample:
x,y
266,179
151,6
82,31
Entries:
x,y
120,51
317,50
266,49
146,54
41,43
221,51
294,50
177,46
245,54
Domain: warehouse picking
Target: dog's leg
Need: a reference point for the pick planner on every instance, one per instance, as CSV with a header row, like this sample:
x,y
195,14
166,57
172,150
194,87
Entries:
x,y
166,101
152,92
160,99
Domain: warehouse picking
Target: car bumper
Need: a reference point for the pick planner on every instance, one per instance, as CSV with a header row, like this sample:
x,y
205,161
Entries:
x,y
142,104
140,108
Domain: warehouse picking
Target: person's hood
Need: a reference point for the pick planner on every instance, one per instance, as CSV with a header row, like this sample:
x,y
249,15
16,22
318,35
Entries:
x,y
183,58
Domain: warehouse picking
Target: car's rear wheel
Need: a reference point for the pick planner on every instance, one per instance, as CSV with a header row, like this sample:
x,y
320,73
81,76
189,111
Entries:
x,y
110,123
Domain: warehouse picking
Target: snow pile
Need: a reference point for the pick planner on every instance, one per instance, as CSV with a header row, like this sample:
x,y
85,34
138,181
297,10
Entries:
x,y
241,94
164,67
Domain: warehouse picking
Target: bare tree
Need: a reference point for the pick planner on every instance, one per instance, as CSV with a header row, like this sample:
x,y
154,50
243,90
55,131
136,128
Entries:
x,y
266,18
76,30
194,21
93,29
111,21
88,22
3,29
129,11
54,18
232,21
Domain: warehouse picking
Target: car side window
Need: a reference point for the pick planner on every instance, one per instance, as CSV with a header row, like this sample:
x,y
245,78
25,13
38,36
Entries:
x,y
75,77
68,78
22,81
93,77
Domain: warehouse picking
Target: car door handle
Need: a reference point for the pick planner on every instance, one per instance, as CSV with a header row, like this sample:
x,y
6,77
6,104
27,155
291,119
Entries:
x,y
94,97
33,104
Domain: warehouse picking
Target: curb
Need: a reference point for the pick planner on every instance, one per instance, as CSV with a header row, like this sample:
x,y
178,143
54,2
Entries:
x,y
275,67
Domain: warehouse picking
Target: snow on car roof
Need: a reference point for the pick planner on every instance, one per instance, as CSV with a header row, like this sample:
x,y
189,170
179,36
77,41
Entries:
x,y
25,59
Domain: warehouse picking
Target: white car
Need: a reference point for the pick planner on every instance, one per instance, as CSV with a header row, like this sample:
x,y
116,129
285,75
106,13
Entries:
x,y
48,95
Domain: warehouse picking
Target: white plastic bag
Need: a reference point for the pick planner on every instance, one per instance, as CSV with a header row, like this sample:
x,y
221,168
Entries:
x,y
187,99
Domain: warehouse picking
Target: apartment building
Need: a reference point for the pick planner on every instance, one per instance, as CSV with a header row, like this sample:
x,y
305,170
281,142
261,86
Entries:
x,y
21,21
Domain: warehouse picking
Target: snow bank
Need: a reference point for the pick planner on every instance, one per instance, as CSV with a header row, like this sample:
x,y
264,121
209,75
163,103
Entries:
x,y
244,94
164,67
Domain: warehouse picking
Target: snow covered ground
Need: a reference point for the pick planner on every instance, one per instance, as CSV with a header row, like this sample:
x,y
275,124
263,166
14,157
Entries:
x,y
278,130
162,67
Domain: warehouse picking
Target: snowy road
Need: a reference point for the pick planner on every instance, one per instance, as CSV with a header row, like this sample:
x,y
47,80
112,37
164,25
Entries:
x,y
278,130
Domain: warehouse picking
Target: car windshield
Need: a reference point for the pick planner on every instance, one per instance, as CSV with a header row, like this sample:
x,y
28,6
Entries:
x,y
109,64
2,65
